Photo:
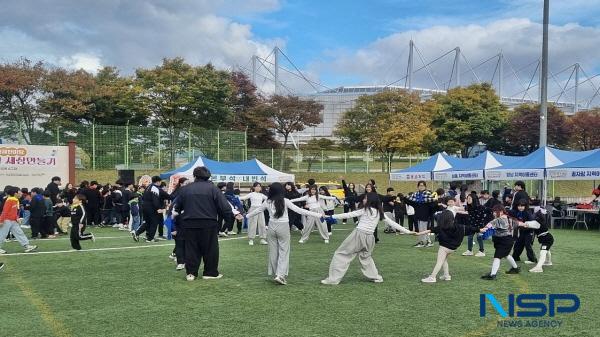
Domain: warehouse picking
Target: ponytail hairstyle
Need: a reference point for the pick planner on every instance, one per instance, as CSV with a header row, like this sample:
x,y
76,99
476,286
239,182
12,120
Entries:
x,y
276,196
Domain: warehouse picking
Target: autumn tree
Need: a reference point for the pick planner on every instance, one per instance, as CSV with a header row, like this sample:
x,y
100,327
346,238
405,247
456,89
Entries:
x,y
290,114
20,87
585,130
466,116
179,95
247,114
389,122
522,135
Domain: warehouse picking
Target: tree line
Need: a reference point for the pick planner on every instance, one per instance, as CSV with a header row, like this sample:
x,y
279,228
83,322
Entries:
x,y
37,98
398,122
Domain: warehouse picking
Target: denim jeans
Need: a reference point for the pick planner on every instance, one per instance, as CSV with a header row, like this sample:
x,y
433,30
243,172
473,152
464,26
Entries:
x,y
479,242
135,222
26,216
14,228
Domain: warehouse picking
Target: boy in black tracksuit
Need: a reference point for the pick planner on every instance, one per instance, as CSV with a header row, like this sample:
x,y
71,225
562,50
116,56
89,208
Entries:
x,y
545,239
524,235
152,208
78,222
399,209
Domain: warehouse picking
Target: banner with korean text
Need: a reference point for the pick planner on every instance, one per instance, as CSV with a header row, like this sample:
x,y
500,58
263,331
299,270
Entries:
x,y
33,165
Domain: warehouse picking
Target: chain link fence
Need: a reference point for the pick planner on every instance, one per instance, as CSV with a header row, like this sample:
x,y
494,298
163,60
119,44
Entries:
x,y
109,147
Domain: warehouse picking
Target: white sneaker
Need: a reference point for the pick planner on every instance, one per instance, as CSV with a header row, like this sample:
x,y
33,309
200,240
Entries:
x,y
190,277
529,262
536,270
301,241
326,241
251,243
327,282
223,235
429,244
429,279
467,253
212,277
419,245
329,233
263,242
93,238
548,263
480,254
180,267
232,233
280,279
172,256
446,278
116,225
30,248
2,251
377,280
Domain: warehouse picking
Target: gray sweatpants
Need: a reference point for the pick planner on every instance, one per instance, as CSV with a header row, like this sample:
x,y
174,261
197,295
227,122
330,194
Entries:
x,y
311,222
422,225
357,243
257,221
13,227
278,238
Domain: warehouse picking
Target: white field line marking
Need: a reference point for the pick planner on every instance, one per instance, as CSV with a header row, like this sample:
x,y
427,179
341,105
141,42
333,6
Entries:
x,y
147,245
144,245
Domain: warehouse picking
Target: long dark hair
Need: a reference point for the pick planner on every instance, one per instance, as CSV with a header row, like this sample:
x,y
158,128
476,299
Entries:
x,y
229,188
373,201
291,184
446,220
313,187
276,195
475,204
325,190
180,183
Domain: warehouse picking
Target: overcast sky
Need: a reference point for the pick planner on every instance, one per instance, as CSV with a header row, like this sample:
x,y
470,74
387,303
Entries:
x,y
334,42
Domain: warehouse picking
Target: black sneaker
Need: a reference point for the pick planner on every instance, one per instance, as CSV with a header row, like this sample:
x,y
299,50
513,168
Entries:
x,y
488,277
513,270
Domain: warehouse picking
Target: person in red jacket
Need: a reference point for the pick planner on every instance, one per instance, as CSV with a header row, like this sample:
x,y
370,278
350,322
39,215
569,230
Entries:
x,y
9,220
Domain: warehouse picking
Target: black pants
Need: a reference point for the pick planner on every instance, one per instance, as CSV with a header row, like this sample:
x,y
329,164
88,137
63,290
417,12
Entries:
x,y
149,226
160,223
77,235
525,240
349,207
327,222
295,220
399,218
202,243
36,227
93,216
226,226
180,246
47,227
411,223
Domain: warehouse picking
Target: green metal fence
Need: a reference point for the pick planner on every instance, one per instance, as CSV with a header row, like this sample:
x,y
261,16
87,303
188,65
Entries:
x,y
103,147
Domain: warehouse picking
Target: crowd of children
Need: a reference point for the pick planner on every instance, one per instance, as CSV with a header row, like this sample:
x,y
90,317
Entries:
x,y
271,212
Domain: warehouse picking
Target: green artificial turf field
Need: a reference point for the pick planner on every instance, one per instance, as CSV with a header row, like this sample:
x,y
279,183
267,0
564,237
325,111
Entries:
x,y
137,292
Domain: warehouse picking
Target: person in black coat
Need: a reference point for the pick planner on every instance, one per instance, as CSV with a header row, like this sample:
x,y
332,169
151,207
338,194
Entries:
x,y
54,189
350,199
92,206
525,235
291,193
199,205
153,208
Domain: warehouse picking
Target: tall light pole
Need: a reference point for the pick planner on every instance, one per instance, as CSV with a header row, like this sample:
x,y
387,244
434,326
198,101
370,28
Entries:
x,y
544,79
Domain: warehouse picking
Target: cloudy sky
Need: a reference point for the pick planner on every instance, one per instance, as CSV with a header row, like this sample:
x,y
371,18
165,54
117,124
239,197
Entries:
x,y
333,42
